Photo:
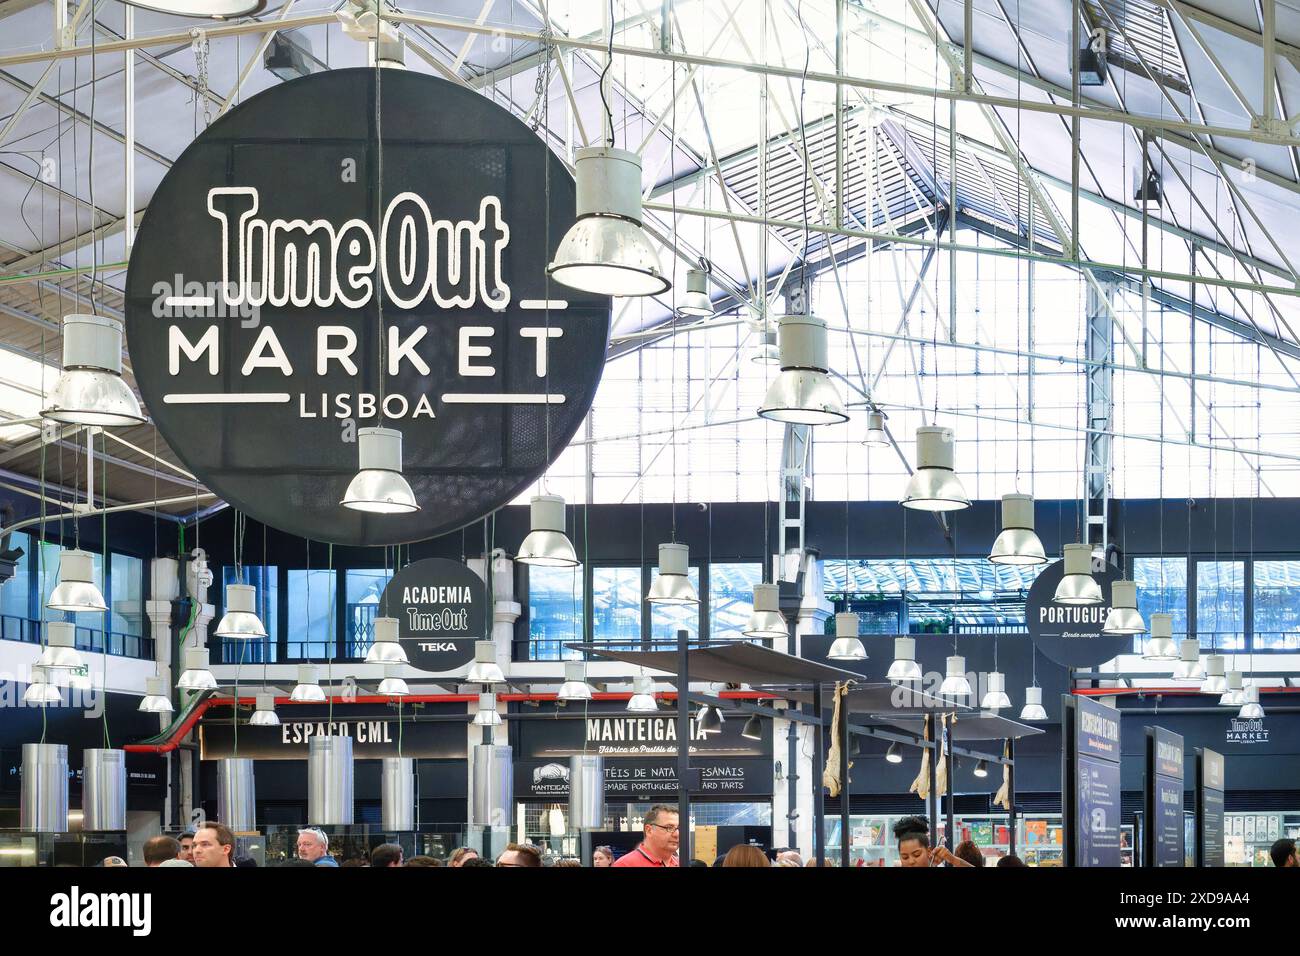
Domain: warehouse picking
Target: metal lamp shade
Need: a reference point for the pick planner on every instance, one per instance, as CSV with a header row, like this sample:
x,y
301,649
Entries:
x,y
934,485
709,721
846,646
1189,665
40,690
386,648
1251,708
765,351
1033,709
642,700
697,302
213,9
487,715
875,436
546,544
1078,587
90,390
892,755
379,486
753,729
803,394
76,589
995,698
955,682
103,790
575,686
1123,616
672,585
766,621
155,699
1234,695
1216,682
60,646
1018,544
330,780
197,674
485,669
1161,646
393,684
240,622
264,714
904,666
43,805
308,689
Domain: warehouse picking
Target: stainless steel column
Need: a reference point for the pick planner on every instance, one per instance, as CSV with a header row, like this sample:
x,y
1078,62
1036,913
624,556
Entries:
x,y
237,794
103,789
397,789
494,777
44,806
586,792
329,781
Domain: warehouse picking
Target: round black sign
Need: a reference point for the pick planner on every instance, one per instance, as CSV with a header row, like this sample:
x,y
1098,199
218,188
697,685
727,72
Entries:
x,y
1071,635
439,605
253,303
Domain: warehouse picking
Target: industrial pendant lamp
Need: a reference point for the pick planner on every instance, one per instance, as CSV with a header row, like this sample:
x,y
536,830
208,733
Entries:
x,y
606,251
197,674
934,485
485,669
76,589
1123,616
487,715
379,486
155,699
1018,543
240,622
1033,709
996,697
40,689
264,714
90,390
1078,588
642,700
393,684
575,686
1161,646
982,769
846,646
60,646
875,436
1216,682
308,689
386,648
892,754
709,720
904,666
697,302
1234,695
1251,708
766,621
547,545
672,585
803,394
765,350
955,682
1189,661
753,729
214,9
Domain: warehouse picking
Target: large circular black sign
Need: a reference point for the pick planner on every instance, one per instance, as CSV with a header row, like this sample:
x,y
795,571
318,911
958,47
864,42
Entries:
x,y
1071,635
439,605
254,299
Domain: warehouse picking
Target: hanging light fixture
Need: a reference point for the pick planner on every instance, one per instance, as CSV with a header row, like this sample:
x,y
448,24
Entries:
x,y
765,351
1215,681
546,544
215,9
308,689
155,699
803,394
697,302
76,589
1161,646
487,715
240,622
642,700
90,390
60,646
996,697
846,646
40,689
1251,708
386,647
379,486
934,485
393,685
753,729
575,686
1018,543
1033,709
264,714
672,585
1233,696
1189,661
766,621
1078,588
904,666
197,674
606,251
709,720
1123,616
893,754
875,436
485,669
955,682
982,769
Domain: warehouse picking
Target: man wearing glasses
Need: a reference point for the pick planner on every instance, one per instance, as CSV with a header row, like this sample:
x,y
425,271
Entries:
x,y
659,848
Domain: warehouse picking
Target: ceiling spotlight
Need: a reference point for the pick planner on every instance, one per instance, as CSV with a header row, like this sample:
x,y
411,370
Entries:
x,y
753,729
606,251
1160,646
90,390
803,394
697,302
934,485
893,755
766,621
996,697
197,674
264,714
846,646
1189,661
709,720
904,666
240,622
1215,681
643,700
1233,696
955,682
308,689
379,486
1018,543
546,544
575,686
60,646
1033,709
155,699
393,685
1251,708
672,585
76,589
386,647
40,689
485,669
1123,616
982,769
1078,587
487,715
875,436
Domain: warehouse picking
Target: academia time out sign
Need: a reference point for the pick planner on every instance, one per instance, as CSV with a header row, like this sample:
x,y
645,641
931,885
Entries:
x,y
292,282
439,606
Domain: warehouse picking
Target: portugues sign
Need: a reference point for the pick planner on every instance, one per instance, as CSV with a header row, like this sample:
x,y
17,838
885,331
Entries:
x,y
439,606
1071,634
283,237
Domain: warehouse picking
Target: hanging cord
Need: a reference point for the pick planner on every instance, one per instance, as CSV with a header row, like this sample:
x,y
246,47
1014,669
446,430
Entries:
x,y
379,204
609,61
106,619
330,631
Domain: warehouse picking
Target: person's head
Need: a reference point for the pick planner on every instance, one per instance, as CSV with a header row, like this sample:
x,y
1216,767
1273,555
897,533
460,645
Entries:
x,y
913,836
462,855
186,841
355,861
386,854
1284,854
422,861
742,854
112,861
214,845
661,836
176,862
789,858
520,854
569,861
602,856
1011,860
312,844
159,849
477,861
969,852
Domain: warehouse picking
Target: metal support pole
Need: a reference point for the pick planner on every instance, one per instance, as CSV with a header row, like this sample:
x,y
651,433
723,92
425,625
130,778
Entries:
x,y
932,799
683,748
819,764
1100,346
128,132
948,821
1011,797
843,731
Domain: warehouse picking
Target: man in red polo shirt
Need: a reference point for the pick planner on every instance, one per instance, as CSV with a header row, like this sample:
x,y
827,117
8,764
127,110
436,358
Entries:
x,y
659,848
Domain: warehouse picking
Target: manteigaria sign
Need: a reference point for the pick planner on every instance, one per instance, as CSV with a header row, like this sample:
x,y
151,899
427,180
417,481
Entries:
x,y
292,281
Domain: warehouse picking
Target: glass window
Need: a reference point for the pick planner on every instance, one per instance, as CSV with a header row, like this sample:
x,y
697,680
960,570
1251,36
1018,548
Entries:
x,y
310,631
667,619
364,589
1161,589
266,579
554,612
16,593
616,606
731,599
1277,605
1221,604
127,602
